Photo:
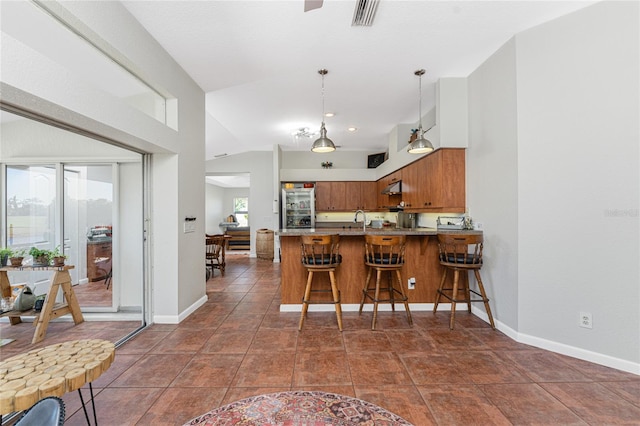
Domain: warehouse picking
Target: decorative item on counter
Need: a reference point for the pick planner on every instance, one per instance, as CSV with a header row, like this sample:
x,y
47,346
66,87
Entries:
x,y
326,164
468,223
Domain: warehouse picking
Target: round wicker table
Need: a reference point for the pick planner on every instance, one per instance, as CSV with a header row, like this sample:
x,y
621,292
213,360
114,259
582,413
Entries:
x,y
52,371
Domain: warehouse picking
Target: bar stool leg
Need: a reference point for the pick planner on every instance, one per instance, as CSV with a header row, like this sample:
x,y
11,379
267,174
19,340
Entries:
x,y
305,300
439,292
456,279
336,298
375,300
364,291
391,292
484,298
404,297
467,291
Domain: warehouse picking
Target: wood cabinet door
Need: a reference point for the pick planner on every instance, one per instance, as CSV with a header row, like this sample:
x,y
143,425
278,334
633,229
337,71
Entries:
x,y
453,178
369,195
323,196
436,182
412,184
353,196
339,196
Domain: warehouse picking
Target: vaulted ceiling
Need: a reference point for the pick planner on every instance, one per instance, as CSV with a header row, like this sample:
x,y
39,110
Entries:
x,y
258,62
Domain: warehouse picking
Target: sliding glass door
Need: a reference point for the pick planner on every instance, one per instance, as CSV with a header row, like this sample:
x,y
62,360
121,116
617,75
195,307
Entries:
x,y
89,203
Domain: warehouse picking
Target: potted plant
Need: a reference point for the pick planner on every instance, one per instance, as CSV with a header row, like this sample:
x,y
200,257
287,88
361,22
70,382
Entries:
x,y
40,256
57,257
4,255
17,256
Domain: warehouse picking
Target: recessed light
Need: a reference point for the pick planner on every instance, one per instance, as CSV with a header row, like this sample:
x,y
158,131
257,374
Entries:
x,y
329,114
352,129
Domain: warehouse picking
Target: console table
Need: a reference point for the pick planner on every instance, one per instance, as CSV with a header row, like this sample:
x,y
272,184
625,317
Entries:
x,y
60,278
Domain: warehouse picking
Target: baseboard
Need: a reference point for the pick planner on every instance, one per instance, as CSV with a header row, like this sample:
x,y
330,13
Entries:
x,y
177,319
368,307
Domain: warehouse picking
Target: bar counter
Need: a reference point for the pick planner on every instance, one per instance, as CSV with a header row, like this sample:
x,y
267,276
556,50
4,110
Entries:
x,y
421,262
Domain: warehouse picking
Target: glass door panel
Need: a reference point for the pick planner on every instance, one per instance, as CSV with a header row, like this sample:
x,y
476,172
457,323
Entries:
x,y
88,229
32,217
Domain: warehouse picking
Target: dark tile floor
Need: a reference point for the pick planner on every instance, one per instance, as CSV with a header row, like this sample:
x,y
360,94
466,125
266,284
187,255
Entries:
x,y
238,345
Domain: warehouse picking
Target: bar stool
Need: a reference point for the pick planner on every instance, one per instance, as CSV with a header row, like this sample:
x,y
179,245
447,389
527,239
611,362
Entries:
x,y
320,254
461,252
384,253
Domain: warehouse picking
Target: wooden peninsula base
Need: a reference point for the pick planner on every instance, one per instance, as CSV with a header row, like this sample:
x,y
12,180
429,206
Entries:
x,y
421,262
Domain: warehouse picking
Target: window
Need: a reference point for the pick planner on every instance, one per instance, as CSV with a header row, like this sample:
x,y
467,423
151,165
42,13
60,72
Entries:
x,y
241,210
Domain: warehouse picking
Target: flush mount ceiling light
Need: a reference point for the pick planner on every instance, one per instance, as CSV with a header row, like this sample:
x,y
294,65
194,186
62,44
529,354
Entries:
x,y
323,143
420,145
303,132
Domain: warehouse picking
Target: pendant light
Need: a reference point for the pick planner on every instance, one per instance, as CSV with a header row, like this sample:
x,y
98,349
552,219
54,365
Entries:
x,y
420,145
323,143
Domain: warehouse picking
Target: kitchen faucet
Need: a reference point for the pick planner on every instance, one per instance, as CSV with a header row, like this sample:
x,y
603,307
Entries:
x,y
364,219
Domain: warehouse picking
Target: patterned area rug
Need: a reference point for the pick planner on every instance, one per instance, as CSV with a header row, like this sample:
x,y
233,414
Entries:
x,y
299,408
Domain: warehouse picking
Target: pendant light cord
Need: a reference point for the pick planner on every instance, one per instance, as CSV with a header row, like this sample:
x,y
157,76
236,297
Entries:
x,y
419,73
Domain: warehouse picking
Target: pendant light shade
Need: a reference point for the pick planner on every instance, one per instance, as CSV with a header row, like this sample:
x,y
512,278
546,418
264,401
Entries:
x,y
323,143
421,145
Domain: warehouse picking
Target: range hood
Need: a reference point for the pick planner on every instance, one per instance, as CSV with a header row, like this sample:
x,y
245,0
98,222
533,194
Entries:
x,y
394,188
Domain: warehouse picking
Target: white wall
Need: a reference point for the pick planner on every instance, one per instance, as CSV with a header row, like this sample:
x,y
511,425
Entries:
x,y
578,159
553,175
492,177
214,208
259,164
35,82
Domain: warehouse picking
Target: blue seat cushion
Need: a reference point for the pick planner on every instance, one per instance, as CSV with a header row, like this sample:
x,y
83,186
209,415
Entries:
x,y
382,259
459,258
322,259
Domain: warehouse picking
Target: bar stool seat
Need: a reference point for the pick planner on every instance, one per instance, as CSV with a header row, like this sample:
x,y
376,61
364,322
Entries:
x,y
320,253
384,253
461,252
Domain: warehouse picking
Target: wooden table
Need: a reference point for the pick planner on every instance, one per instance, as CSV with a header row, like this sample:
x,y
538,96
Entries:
x,y
53,371
60,278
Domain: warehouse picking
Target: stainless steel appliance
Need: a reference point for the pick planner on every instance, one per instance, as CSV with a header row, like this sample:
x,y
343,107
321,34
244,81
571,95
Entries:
x,y
298,206
406,220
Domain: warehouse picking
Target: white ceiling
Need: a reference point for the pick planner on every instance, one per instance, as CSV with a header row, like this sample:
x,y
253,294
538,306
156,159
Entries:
x,y
258,62
240,180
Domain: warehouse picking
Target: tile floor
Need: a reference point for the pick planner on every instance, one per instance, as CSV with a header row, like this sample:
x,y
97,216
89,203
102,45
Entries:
x,y
238,344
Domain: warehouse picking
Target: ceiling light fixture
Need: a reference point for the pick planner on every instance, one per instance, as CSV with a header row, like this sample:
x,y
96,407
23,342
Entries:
x,y
352,129
420,145
329,114
323,143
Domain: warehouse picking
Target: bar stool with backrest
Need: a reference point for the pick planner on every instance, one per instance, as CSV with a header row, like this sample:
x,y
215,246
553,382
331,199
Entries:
x,y
320,253
384,253
461,252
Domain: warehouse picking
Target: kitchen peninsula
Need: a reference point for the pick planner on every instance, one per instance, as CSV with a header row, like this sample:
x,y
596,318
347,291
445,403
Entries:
x,y
421,262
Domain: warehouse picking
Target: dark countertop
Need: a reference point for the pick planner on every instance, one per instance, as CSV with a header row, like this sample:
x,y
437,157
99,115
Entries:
x,y
371,231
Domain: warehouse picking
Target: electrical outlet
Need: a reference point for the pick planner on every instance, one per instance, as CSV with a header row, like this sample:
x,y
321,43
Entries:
x,y
586,320
411,283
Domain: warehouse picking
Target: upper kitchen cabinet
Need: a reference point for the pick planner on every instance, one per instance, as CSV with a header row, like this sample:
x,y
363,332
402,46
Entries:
x,y
346,196
331,196
436,182
363,194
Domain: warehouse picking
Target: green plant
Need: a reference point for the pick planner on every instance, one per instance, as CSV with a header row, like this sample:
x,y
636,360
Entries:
x,y
17,252
36,252
57,253
5,251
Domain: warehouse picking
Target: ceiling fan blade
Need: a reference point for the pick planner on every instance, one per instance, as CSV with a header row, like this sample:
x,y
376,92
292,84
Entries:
x,y
312,4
